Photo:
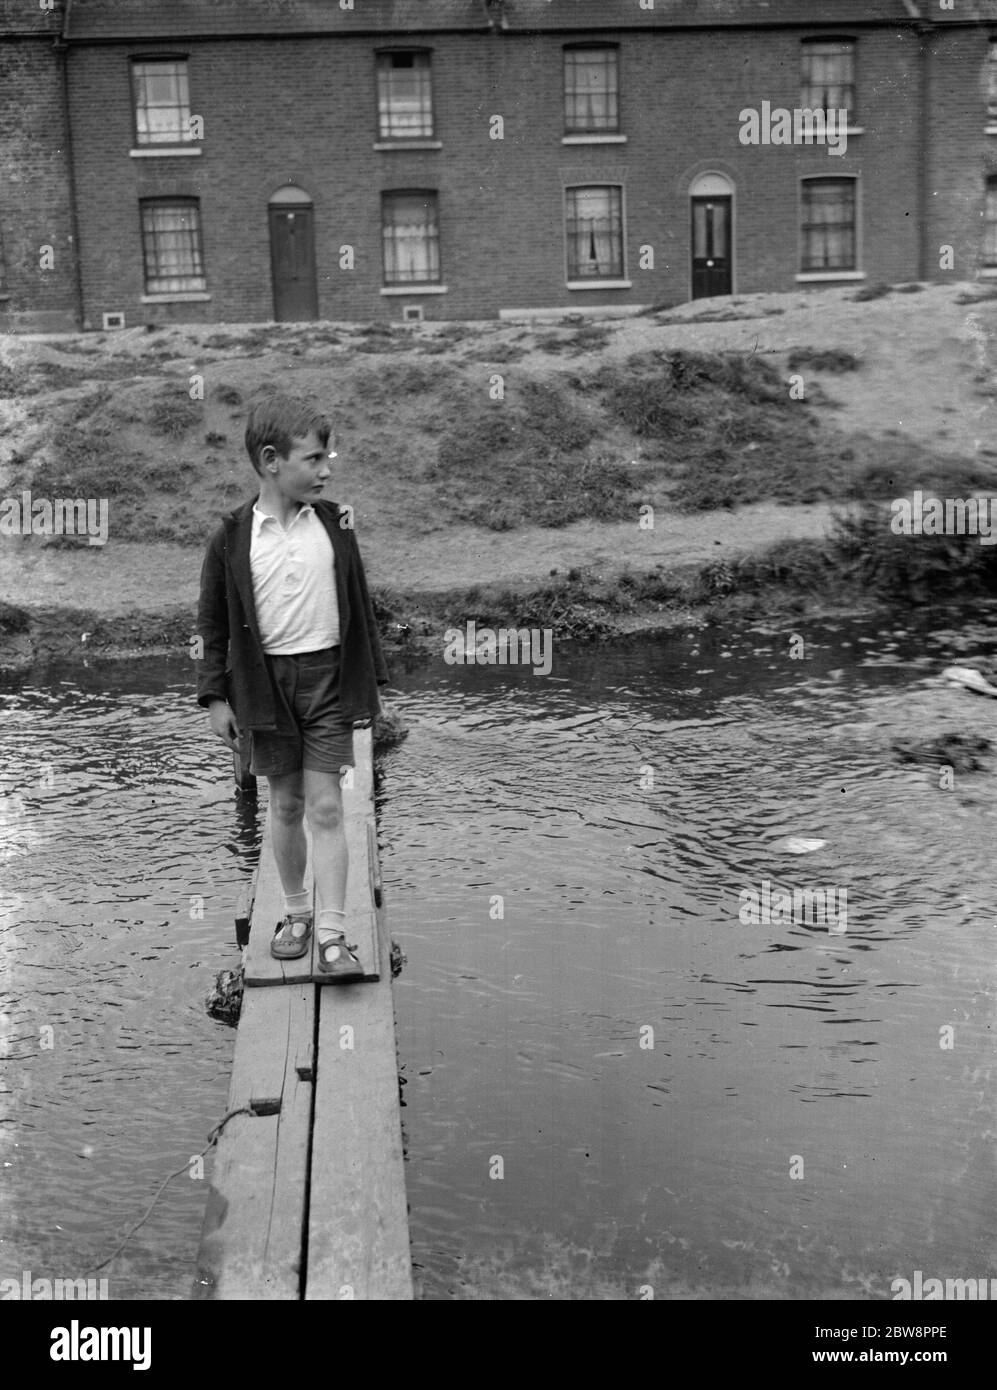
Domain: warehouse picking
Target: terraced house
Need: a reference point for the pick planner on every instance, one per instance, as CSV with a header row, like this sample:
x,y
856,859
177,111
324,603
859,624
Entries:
x,y
244,160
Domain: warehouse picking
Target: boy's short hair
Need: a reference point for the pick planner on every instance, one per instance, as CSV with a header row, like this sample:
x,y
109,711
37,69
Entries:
x,y
279,420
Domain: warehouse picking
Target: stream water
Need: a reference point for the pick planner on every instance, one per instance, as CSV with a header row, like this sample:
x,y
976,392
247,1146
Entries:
x,y
613,1082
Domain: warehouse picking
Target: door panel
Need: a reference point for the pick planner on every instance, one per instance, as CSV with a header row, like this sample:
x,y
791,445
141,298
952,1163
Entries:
x,y
711,247
292,259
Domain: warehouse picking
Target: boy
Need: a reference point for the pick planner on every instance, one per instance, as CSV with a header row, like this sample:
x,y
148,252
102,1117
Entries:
x,y
290,640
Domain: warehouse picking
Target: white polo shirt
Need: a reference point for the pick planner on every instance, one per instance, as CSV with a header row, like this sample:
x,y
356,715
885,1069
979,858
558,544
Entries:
x,y
294,582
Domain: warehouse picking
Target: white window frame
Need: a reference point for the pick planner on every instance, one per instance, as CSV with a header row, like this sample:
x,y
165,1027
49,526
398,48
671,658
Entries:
x,y
829,276
596,282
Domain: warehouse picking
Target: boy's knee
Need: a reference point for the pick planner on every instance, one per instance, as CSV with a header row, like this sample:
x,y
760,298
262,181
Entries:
x,y
288,806
325,810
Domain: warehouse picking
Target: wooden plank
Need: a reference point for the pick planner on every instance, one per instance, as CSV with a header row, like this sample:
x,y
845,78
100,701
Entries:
x,y
254,1226
268,908
276,1035
358,1238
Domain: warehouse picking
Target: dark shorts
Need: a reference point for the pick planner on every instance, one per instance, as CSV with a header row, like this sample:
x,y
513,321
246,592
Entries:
x,y
308,688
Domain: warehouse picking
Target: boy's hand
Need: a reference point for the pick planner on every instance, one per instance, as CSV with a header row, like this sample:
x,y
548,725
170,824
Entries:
x,y
223,723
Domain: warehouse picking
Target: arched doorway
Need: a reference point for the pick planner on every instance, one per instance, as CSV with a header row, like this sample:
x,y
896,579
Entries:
x,y
711,199
292,255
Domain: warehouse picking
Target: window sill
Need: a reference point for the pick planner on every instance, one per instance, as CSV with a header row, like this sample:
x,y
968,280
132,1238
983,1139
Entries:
x,y
599,284
593,138
414,289
814,276
988,272
408,144
165,151
4,296
177,297
990,128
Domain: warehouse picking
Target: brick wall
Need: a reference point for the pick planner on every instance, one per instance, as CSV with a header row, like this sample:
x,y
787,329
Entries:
x,y
961,153
303,111
34,190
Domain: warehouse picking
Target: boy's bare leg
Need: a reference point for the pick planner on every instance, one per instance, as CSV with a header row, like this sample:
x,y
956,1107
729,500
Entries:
x,y
330,858
290,849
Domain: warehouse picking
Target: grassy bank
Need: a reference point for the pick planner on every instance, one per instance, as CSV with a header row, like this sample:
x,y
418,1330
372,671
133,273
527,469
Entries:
x,y
463,436
467,449
861,566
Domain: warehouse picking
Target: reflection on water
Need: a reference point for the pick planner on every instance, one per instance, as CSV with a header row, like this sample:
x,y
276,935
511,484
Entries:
x,y
122,853
613,1081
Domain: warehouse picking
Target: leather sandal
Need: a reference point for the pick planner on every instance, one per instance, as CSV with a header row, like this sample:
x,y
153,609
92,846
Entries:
x,y
337,959
286,944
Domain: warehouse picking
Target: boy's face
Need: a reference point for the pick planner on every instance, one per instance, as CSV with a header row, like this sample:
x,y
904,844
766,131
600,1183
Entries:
x,y
305,472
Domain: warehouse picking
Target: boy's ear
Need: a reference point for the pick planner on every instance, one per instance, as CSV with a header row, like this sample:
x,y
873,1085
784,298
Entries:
x,y
268,456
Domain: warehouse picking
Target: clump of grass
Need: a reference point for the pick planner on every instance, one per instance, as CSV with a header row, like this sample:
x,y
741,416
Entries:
x,y
173,414
961,752
223,340
214,440
867,292
170,475
13,620
501,352
558,606
589,337
228,395
454,333
822,360
722,426
14,384
892,467
980,296
660,308
911,569
85,462
798,565
396,380
524,460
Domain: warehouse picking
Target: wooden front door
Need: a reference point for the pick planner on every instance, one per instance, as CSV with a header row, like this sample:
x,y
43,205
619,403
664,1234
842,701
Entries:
x,y
711,248
292,260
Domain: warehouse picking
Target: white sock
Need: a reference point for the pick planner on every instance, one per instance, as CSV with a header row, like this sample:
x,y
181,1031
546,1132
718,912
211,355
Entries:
x,y
299,904
330,924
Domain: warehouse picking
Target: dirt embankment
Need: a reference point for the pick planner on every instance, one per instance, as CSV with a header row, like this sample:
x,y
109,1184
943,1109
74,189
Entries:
x,y
494,469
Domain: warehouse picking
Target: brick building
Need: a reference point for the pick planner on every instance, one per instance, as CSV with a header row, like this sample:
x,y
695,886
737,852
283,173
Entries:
x,y
38,269
237,160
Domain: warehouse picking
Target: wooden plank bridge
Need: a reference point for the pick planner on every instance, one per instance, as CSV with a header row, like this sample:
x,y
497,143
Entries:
x,y
307,1197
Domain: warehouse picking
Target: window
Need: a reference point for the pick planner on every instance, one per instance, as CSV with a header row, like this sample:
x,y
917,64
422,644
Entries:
x,y
162,101
594,226
171,244
411,238
591,90
828,225
992,80
404,96
829,76
990,224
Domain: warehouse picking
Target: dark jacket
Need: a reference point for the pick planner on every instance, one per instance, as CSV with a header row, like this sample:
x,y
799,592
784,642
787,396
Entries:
x,y
234,666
